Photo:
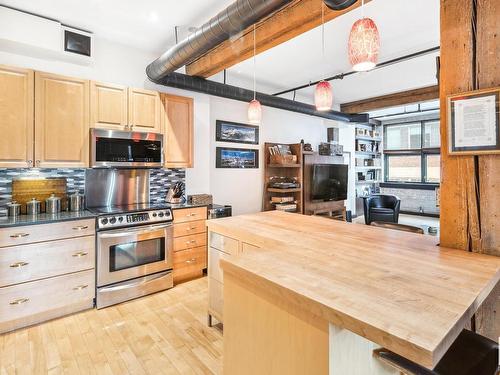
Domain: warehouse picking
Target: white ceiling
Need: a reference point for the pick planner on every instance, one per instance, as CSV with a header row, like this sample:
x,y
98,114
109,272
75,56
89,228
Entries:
x,y
144,24
405,26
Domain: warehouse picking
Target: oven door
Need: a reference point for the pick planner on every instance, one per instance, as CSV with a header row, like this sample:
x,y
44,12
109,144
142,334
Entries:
x,y
124,254
111,148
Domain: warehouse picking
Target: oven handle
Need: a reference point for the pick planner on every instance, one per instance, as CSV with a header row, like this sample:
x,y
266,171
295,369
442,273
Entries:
x,y
129,284
131,232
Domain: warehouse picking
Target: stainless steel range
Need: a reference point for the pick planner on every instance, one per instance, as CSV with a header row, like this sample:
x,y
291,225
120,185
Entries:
x,y
134,240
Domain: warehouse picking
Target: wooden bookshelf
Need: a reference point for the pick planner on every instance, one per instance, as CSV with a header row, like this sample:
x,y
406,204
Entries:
x,y
283,170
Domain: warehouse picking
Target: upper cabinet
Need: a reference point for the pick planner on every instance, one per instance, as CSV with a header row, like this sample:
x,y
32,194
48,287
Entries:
x,y
16,117
61,121
123,108
144,110
178,131
108,106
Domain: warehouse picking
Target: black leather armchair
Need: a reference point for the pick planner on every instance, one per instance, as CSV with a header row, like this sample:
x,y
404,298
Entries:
x,y
380,207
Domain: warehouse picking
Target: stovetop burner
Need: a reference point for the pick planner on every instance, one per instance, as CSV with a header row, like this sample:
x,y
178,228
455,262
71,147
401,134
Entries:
x,y
110,210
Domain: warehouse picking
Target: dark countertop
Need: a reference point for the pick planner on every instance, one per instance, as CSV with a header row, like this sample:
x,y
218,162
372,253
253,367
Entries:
x,y
6,222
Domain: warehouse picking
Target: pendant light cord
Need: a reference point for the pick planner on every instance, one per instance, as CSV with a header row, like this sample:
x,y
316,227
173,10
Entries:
x,y
254,66
323,29
362,9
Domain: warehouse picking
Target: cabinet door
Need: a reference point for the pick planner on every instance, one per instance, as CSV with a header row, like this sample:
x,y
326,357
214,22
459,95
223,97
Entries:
x,y
61,121
178,131
108,106
16,117
144,110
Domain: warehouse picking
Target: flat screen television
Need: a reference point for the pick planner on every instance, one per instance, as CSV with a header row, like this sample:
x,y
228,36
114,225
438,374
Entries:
x,y
329,182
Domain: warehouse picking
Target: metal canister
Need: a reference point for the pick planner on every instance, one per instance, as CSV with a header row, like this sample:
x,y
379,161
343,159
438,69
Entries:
x,y
33,207
76,201
14,209
53,204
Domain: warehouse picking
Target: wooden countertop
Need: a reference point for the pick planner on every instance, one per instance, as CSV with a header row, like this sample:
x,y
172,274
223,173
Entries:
x,y
394,288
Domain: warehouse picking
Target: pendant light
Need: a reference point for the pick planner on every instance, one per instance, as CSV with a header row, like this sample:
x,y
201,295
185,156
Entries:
x,y
364,43
254,107
323,97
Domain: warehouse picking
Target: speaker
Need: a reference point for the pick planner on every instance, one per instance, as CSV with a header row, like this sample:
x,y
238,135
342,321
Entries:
x,y
75,42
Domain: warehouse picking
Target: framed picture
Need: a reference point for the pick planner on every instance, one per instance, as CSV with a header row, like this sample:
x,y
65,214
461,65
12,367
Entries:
x,y
226,131
474,122
227,157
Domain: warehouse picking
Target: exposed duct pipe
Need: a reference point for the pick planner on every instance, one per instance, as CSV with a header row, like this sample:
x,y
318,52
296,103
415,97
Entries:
x,y
229,22
185,82
339,4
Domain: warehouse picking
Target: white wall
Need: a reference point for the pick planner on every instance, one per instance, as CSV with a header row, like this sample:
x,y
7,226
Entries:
x,y
243,188
115,63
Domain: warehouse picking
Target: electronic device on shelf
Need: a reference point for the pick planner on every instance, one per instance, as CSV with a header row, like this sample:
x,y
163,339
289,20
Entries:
x,y
278,182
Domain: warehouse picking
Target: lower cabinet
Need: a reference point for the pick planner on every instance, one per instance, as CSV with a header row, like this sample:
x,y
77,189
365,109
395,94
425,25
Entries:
x,y
220,247
49,273
190,243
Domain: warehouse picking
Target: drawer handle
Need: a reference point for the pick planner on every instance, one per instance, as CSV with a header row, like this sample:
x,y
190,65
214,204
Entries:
x,y
191,214
81,227
19,301
80,254
80,287
189,242
18,264
191,261
192,228
19,235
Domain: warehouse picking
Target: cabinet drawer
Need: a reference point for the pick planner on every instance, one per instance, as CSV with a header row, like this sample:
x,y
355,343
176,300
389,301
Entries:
x,y
223,243
188,242
23,263
190,214
36,301
246,247
214,268
216,297
46,232
190,227
190,261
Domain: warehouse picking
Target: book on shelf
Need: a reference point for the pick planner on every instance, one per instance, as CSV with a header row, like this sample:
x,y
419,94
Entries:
x,y
282,199
286,207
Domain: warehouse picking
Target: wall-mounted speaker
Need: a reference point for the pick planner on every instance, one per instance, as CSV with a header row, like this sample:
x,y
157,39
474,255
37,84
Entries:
x,y
77,42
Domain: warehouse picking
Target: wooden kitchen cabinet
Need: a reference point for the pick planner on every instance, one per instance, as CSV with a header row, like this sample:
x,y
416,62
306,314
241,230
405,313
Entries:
x,y
16,117
144,110
108,106
61,121
177,114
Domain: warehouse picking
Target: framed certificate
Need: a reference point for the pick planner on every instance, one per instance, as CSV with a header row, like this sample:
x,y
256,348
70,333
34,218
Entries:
x,y
474,122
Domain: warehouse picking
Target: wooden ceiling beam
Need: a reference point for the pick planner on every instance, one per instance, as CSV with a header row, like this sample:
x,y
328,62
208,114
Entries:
x,y
296,18
392,100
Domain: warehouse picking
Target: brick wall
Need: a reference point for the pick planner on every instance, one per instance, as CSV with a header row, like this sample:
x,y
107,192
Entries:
x,y
414,200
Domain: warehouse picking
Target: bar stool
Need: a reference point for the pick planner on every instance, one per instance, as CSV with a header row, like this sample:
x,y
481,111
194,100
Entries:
x,y
470,354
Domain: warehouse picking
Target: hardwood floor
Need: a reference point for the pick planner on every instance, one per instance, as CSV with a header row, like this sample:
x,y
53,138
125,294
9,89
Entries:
x,y
165,333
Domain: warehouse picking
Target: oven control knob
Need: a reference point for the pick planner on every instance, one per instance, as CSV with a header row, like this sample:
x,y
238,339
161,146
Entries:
x,y
154,214
112,220
104,221
120,219
160,214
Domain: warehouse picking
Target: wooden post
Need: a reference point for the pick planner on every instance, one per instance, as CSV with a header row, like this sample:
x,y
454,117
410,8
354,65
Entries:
x,y
470,195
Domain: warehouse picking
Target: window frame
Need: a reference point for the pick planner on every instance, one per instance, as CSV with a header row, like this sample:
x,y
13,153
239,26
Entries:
x,y
422,152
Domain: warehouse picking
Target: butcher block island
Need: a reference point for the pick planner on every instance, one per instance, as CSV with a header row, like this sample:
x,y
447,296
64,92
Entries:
x,y
303,294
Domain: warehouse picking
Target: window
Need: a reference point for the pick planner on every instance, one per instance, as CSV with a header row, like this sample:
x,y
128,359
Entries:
x,y
411,152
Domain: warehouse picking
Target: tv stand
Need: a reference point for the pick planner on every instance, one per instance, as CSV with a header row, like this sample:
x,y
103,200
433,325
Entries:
x,y
315,207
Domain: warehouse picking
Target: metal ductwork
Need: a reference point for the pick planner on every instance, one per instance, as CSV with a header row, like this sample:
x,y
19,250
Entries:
x,y
185,82
339,4
232,20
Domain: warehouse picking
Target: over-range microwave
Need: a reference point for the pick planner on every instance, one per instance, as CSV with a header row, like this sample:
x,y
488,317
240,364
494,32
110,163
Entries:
x,y
112,149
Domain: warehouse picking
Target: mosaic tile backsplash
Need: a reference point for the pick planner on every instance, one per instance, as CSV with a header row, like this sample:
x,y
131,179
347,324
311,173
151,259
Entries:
x,y
160,181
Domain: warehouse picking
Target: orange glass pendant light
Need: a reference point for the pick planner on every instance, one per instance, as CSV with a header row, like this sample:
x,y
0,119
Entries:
x,y
254,107
323,97
254,112
364,44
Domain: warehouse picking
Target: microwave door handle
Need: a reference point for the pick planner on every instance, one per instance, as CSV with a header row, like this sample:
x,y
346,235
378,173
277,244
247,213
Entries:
x,y
133,232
